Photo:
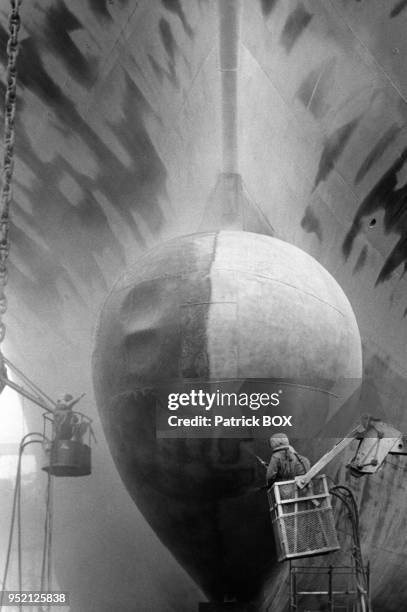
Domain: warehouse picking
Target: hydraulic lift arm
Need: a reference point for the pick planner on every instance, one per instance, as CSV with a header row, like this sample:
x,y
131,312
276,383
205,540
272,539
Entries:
x,y
377,440
35,399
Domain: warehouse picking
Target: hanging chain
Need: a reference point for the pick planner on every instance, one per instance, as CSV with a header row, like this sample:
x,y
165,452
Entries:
x,y
8,160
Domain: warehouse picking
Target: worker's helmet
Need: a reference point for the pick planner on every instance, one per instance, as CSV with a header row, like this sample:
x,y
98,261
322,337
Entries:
x,y
278,439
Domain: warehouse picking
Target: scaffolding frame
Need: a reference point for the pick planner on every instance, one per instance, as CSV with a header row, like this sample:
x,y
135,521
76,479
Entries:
x,y
351,595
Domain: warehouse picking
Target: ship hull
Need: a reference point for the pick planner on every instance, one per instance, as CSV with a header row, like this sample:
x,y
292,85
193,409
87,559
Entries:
x,y
128,113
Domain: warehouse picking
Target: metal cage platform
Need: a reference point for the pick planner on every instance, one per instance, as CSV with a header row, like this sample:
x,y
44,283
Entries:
x,y
303,521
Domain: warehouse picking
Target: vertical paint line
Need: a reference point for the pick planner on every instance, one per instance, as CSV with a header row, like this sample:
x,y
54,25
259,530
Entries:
x,y
229,25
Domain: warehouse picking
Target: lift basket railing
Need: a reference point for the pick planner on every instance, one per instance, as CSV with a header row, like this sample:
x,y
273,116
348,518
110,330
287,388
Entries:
x,y
303,521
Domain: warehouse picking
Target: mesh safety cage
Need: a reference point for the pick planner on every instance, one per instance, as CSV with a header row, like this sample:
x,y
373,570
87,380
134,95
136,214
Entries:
x,y
303,520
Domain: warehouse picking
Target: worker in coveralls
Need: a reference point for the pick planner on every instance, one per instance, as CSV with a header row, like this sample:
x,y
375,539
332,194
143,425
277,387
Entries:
x,y
285,462
65,420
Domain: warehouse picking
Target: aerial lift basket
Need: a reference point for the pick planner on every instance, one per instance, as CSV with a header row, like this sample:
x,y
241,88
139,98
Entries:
x,y
69,458
69,455
303,521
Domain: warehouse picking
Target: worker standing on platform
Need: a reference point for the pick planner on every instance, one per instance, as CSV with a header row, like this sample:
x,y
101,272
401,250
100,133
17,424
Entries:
x,y
65,421
285,462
